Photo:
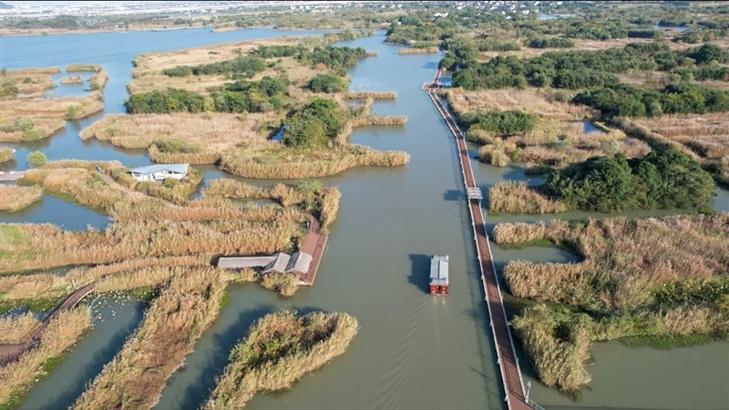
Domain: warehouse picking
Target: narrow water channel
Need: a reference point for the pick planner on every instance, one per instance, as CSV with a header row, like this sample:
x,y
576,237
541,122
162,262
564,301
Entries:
x,y
412,351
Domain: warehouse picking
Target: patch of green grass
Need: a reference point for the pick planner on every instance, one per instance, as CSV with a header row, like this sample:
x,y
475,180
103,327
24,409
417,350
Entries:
x,y
11,235
666,342
34,305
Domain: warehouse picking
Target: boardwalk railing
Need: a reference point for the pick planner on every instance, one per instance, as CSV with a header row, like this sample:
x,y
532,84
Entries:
x,y
504,344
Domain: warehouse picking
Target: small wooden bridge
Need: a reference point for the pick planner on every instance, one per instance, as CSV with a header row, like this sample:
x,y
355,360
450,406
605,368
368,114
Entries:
x,y
12,352
503,341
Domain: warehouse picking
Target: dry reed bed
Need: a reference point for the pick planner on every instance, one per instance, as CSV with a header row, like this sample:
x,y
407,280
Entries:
x,y
15,329
72,80
624,260
704,136
558,137
321,201
45,285
279,349
379,120
556,143
287,163
531,100
176,319
426,50
148,72
615,292
31,82
46,115
518,197
375,95
144,227
204,136
62,332
14,198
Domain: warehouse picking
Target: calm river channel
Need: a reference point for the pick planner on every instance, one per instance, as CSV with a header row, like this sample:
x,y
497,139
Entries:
x,y
413,351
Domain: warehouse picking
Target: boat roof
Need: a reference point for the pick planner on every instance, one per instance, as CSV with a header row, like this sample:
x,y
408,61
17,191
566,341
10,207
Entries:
x,y
439,269
151,169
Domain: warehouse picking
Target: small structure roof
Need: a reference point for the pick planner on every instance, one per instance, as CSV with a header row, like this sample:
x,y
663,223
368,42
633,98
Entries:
x,y
240,262
151,169
299,262
439,270
279,264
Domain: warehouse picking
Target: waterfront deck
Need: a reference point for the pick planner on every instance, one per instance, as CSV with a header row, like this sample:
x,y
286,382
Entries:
x,y
503,341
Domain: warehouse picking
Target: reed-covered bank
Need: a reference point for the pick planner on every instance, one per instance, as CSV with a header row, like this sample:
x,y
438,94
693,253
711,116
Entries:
x,y
279,349
287,163
518,197
63,331
176,319
705,137
14,198
15,329
375,95
657,280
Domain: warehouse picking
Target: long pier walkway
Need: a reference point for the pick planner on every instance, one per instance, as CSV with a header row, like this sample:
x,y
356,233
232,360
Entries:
x,y
503,341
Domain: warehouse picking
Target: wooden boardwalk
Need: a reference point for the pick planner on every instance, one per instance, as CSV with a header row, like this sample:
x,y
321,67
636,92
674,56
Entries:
x,y
12,352
314,244
503,341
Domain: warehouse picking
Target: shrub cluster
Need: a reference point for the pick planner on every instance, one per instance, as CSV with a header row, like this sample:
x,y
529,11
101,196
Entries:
x,y
328,83
661,179
553,42
337,58
277,51
243,66
625,100
571,69
501,123
165,101
251,96
315,124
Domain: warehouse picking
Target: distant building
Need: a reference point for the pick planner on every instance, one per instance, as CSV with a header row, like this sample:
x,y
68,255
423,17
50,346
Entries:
x,y
160,172
439,275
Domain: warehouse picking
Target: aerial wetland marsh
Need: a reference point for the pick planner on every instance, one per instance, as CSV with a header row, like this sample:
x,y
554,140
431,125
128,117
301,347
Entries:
x,y
616,293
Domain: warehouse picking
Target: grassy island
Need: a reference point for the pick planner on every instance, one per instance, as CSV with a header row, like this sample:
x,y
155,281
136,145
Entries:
x,y
26,115
264,109
657,281
279,349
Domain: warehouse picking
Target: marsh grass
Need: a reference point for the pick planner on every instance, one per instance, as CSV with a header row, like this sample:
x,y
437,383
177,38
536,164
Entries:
x,y
288,163
656,279
518,197
62,332
278,350
72,80
558,137
30,119
176,319
14,198
16,329
375,95
703,136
